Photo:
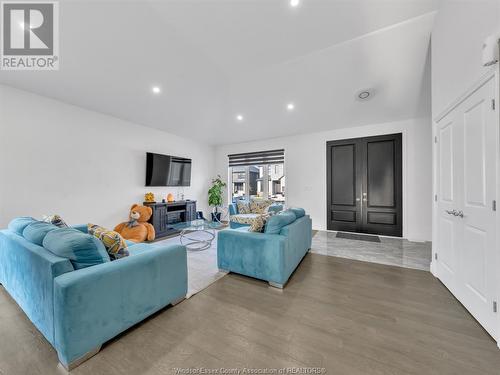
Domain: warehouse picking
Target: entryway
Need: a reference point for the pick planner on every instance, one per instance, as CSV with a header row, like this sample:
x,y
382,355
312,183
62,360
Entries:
x,y
365,185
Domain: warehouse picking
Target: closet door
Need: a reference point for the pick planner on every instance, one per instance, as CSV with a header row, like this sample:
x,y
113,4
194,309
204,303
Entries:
x,y
477,255
448,226
466,218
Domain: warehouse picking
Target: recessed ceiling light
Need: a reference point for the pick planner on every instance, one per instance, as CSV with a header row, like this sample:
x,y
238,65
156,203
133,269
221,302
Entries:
x,y
156,89
239,117
290,106
294,3
364,94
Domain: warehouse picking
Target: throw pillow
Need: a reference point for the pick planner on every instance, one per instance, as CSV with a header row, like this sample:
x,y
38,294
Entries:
x,y
81,249
36,231
18,224
255,221
258,223
56,220
243,207
114,243
259,206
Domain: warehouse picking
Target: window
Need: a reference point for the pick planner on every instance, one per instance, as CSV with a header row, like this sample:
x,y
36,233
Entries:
x,y
257,175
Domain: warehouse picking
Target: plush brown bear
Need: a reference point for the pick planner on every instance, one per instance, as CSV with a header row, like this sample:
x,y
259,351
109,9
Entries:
x,y
137,229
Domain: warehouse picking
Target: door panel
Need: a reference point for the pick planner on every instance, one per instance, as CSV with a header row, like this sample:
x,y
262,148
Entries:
x,y
364,183
344,175
475,164
447,245
467,172
446,162
447,223
477,254
475,275
343,169
381,177
382,203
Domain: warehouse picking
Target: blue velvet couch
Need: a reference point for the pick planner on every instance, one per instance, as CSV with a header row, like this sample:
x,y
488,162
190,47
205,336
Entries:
x,y
272,255
233,211
77,310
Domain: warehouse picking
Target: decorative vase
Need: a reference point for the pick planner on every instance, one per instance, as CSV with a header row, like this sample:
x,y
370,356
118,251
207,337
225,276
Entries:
x,y
170,197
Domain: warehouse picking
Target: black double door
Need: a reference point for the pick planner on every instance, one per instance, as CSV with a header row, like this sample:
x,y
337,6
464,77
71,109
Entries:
x,y
364,185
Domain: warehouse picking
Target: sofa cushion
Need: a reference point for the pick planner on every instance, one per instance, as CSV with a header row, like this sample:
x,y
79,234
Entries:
x,y
299,212
18,224
36,232
276,222
83,250
113,242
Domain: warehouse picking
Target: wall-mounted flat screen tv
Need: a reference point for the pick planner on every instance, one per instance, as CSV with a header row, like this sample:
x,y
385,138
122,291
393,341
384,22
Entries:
x,y
167,170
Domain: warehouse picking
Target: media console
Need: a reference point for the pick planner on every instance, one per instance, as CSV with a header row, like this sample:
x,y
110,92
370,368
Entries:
x,y
168,218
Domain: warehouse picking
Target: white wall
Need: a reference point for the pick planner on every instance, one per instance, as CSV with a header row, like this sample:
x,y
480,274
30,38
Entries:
x,y
457,38
305,168
85,166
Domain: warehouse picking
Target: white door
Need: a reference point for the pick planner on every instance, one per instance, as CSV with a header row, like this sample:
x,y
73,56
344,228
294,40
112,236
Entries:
x,y
466,219
447,225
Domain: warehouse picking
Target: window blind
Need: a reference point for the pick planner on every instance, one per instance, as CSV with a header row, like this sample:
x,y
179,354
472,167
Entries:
x,y
257,158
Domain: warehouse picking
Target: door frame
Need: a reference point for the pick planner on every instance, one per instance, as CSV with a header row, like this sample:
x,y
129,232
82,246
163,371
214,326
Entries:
x,y
492,74
403,207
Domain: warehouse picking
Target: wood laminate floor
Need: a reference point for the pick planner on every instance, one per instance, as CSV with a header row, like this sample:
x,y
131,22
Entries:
x,y
347,316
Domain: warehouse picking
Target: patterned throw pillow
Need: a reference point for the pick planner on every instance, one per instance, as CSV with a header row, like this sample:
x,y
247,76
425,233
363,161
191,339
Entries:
x,y
56,220
257,222
259,206
114,243
243,207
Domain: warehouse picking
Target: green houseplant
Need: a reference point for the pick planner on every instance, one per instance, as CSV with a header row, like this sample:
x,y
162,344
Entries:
x,y
215,199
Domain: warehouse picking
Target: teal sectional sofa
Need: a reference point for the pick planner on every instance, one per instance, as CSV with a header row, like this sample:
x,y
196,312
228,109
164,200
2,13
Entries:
x,y
272,255
78,308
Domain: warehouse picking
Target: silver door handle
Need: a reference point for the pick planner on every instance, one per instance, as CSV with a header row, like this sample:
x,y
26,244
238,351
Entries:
x,y
455,213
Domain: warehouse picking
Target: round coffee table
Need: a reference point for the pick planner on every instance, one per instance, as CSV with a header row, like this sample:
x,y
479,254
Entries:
x,y
198,235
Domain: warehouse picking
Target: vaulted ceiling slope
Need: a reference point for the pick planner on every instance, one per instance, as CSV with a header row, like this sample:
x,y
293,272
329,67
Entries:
x,y
215,59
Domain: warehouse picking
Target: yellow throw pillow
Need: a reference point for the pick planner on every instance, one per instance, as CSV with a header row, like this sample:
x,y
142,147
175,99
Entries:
x,y
113,242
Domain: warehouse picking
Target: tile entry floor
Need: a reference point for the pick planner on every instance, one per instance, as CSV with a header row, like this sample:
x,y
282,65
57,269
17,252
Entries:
x,y
390,251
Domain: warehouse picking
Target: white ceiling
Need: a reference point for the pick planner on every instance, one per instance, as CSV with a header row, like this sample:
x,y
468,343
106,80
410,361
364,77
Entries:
x,y
216,58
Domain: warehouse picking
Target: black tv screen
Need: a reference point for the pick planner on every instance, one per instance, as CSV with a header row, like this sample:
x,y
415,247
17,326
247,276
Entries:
x,y
166,170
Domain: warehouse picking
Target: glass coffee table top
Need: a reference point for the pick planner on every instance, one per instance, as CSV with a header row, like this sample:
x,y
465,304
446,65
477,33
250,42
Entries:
x,y
198,235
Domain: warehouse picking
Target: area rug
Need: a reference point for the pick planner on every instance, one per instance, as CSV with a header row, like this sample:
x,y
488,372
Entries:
x,y
202,265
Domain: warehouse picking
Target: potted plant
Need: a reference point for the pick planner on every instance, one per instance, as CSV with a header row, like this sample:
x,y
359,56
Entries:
x,y
215,197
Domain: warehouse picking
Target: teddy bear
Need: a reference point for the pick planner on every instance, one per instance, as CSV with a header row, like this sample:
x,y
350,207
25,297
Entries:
x,y
137,229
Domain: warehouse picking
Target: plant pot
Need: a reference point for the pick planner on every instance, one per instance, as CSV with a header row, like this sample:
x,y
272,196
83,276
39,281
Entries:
x,y
216,216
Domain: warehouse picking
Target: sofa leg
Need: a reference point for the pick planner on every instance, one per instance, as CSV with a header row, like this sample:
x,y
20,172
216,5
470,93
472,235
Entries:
x,y
276,285
77,362
177,301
